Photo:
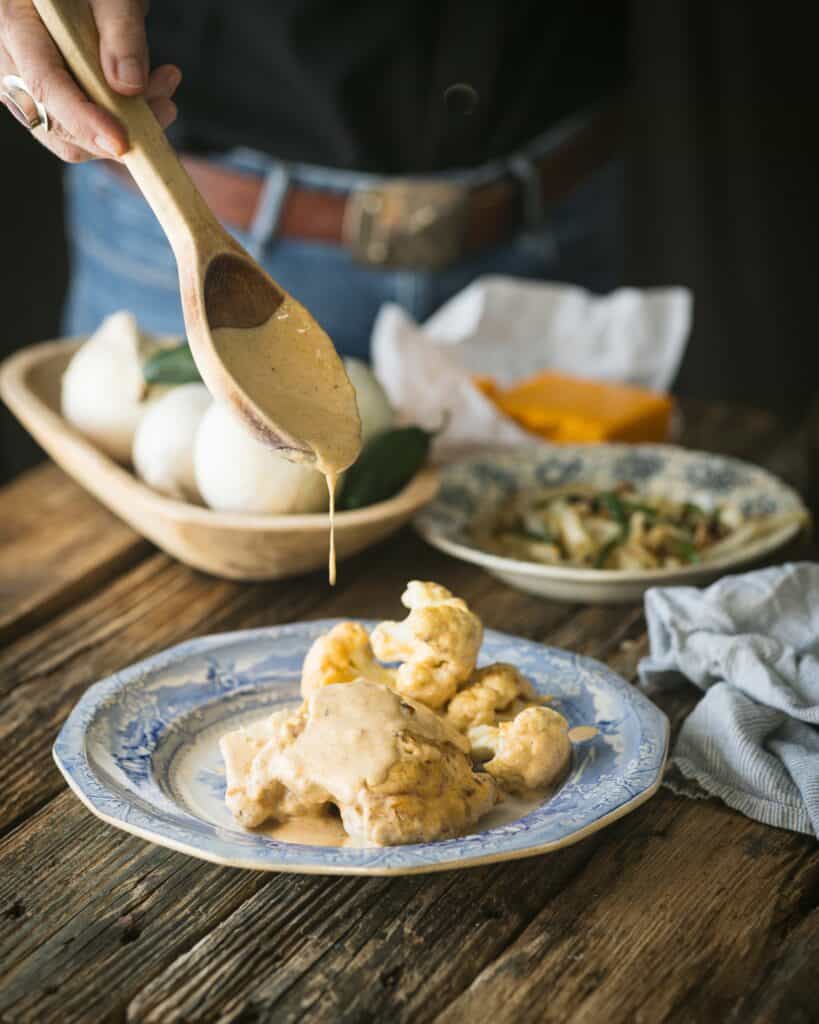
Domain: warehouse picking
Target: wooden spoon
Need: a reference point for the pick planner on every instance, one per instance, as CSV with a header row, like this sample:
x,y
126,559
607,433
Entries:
x,y
223,289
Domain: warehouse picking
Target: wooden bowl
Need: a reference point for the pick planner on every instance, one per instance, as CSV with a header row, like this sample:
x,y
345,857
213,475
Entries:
x,y
243,547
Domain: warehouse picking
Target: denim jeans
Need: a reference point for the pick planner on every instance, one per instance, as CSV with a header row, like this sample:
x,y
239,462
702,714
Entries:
x,y
120,258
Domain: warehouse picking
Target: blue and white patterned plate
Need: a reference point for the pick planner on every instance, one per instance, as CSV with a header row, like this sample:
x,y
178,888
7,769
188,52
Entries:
x,y
140,749
471,487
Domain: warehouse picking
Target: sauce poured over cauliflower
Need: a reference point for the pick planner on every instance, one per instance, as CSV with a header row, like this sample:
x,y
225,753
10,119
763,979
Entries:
x,y
396,772
394,750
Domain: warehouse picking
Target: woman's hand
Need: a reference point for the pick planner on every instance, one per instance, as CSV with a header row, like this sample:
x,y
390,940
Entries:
x,y
79,129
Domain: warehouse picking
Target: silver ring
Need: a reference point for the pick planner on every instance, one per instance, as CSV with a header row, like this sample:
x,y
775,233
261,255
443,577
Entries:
x,y
22,104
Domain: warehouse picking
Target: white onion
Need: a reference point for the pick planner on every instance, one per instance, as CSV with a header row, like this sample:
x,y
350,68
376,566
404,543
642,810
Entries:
x,y
103,390
237,473
164,441
373,405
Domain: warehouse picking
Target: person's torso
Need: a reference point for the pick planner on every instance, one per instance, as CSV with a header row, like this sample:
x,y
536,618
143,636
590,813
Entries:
x,y
405,86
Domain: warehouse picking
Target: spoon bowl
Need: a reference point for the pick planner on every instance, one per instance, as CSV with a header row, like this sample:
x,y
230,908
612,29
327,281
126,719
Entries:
x,y
232,291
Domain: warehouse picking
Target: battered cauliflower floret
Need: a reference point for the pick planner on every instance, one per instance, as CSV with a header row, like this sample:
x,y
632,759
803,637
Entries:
x,y
493,690
431,792
396,771
252,797
530,751
340,656
438,643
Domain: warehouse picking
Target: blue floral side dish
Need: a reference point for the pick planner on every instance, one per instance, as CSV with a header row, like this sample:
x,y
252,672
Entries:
x,y
473,487
140,749
473,484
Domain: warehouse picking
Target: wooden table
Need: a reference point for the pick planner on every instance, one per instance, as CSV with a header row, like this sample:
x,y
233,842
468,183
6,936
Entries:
x,y
684,910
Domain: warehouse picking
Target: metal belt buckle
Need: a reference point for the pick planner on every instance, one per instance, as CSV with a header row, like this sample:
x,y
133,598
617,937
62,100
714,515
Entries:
x,y
414,225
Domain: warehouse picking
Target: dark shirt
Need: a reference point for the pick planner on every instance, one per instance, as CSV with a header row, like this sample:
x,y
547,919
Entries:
x,y
389,86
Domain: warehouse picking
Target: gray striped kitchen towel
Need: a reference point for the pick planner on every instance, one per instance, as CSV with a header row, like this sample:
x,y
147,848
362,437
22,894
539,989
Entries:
x,y
751,642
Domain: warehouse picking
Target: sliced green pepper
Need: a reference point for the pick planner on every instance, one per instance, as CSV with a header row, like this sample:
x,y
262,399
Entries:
x,y
650,513
543,538
605,551
615,508
684,549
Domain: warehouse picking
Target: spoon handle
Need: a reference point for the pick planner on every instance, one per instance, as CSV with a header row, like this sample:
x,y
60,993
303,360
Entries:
x,y
151,160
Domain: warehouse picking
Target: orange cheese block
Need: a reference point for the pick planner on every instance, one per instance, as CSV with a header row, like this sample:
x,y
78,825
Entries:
x,y
562,408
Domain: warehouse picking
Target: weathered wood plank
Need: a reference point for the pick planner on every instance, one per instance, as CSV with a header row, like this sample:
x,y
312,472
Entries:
x,y
675,919
400,935
787,988
56,545
601,917
86,911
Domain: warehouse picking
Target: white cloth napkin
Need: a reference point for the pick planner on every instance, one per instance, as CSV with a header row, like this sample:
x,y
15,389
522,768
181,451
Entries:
x,y
508,329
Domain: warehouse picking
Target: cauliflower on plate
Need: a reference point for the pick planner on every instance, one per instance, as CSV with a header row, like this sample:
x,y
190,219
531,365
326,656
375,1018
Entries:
x,y
494,690
438,643
396,771
431,792
530,751
251,798
341,656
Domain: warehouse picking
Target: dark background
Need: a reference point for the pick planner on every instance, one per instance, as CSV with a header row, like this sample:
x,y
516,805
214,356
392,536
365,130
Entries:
x,y
721,197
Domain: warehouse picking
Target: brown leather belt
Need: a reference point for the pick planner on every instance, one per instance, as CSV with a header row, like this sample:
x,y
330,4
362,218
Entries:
x,y
413,223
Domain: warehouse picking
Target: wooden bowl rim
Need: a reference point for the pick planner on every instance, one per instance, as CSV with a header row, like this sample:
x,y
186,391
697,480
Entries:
x,y
18,396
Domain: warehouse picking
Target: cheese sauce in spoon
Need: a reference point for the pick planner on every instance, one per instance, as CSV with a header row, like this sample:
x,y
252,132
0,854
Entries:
x,y
289,368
